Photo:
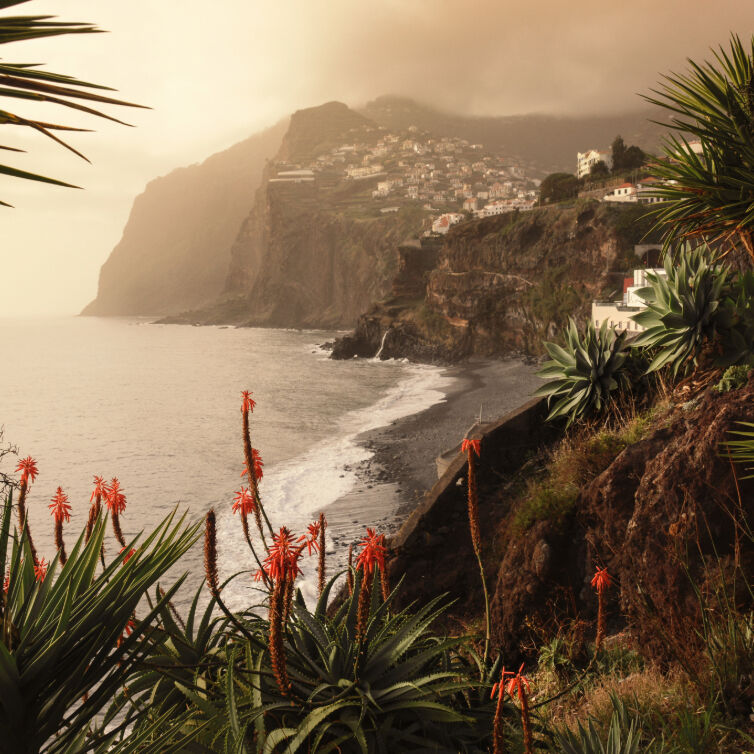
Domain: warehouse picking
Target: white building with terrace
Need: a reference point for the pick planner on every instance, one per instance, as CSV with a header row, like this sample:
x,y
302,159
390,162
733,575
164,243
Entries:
x,y
586,160
618,314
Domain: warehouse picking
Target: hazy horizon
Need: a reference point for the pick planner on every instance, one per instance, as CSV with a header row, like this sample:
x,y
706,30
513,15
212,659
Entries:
x,y
215,79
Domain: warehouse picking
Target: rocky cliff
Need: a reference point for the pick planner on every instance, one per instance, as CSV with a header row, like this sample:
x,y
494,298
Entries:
x,y
501,284
312,250
175,249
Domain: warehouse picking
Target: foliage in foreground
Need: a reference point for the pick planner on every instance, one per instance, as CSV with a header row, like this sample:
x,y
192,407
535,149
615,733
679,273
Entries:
x,y
63,650
709,194
27,82
394,687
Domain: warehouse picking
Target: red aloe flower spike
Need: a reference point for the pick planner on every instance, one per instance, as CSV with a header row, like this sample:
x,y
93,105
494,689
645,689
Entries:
x,y
40,569
321,564
311,540
128,555
247,402
115,500
257,464
282,559
244,502
28,468
372,553
601,582
59,507
475,445
519,685
100,489
61,510
498,739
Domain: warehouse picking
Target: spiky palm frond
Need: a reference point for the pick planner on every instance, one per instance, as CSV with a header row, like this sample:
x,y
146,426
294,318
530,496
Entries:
x,y
710,194
26,82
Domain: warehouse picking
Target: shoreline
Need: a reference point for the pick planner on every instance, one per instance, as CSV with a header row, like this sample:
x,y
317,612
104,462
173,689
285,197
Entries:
x,y
401,467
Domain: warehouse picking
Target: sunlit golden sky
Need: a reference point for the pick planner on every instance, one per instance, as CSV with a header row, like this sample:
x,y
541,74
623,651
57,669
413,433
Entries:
x,y
217,72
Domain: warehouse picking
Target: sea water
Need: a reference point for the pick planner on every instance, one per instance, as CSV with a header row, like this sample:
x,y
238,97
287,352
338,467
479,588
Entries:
x,y
158,406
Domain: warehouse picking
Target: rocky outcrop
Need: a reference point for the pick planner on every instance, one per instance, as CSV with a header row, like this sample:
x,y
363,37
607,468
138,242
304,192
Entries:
x,y
502,284
662,514
175,249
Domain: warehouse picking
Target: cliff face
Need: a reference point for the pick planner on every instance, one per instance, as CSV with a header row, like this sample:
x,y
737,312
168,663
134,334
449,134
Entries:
x,y
502,284
175,249
308,254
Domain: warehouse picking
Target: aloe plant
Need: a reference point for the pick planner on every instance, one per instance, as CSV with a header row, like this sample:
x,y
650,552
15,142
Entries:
x,y
63,652
587,369
623,736
397,687
686,308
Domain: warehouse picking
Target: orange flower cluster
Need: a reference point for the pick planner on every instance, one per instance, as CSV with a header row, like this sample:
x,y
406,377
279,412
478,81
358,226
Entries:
x,y
244,502
28,468
601,582
59,507
516,685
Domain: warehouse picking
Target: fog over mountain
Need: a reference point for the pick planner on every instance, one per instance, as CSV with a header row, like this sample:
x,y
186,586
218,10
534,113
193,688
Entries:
x,y
214,79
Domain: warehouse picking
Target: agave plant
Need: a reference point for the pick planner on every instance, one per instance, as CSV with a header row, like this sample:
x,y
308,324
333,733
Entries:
x,y
586,370
24,81
686,307
710,193
623,736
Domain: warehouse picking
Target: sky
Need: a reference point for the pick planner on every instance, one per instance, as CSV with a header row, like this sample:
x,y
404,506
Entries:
x,y
214,73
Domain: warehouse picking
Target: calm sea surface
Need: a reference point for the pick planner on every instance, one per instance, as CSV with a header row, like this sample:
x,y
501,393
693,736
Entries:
x,y
158,407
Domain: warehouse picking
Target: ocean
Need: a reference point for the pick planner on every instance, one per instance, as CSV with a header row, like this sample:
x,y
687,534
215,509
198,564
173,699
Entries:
x,y
158,406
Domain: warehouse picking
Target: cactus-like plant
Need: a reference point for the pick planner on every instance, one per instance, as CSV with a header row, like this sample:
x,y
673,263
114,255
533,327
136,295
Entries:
x,y
686,307
586,370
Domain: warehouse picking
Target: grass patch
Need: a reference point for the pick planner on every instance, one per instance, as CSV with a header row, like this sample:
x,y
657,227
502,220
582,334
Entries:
x,y
551,495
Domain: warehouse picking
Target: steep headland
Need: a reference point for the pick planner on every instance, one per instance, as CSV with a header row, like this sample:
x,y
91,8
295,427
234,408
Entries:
x,y
299,227
499,285
175,248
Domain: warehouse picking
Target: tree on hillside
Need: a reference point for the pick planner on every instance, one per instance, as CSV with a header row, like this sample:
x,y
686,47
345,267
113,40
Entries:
x,y
27,82
599,170
557,187
626,158
710,194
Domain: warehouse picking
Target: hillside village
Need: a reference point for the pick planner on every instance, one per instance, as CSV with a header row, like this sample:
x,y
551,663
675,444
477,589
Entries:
x,y
448,177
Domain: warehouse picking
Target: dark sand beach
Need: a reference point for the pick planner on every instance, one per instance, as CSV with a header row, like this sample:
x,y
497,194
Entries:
x,y
402,468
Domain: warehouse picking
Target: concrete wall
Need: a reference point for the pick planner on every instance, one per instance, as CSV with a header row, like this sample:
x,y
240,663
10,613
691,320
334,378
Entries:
x,y
432,549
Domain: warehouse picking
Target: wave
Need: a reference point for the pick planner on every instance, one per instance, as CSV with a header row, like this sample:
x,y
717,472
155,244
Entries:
x,y
296,490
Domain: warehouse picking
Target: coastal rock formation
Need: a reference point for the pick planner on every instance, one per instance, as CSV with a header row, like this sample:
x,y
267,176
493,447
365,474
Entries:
x,y
662,510
502,284
175,249
308,254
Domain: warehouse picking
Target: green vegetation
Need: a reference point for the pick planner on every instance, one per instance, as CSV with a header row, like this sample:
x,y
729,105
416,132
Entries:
x,y
552,494
586,371
29,83
711,194
558,187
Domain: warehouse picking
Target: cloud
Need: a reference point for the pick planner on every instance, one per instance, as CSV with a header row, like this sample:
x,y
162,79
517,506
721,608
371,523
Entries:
x,y
216,74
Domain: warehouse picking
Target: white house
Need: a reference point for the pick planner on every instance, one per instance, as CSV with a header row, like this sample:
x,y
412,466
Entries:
x,y
618,313
585,161
443,223
626,192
